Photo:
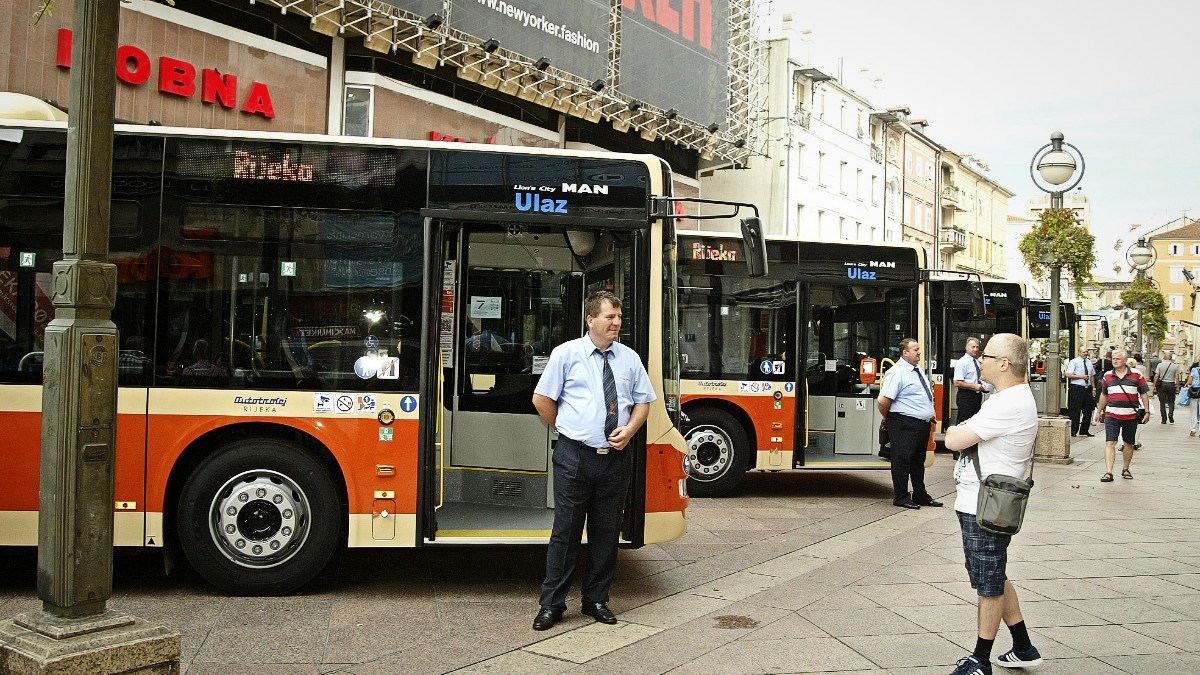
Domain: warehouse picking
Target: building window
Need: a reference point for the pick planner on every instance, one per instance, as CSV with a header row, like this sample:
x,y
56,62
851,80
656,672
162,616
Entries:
x,y
842,177
1195,249
1174,249
908,161
800,173
799,219
929,217
929,171
842,233
1176,302
821,168
874,190
858,184
356,115
1176,274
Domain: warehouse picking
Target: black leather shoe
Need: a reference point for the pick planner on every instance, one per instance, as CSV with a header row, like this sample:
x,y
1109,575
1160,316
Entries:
x,y
600,612
907,504
546,618
932,502
1088,435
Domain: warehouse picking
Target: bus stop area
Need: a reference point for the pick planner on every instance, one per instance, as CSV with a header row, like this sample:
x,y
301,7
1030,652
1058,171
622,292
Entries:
x,y
796,572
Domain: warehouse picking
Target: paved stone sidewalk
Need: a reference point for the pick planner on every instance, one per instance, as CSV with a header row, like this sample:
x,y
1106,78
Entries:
x,y
797,572
1108,575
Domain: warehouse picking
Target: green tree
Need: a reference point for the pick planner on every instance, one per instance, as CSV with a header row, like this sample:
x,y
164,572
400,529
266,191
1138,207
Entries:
x,y
1058,238
1154,313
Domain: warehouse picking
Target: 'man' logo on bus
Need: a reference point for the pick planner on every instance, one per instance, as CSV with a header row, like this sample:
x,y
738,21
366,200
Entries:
x,y
585,189
891,264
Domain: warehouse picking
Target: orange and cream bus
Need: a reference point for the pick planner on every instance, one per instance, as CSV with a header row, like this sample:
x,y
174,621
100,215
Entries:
x,y
782,372
332,342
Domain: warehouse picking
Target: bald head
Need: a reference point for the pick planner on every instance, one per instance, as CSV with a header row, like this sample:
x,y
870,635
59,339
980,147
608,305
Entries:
x,y
1005,360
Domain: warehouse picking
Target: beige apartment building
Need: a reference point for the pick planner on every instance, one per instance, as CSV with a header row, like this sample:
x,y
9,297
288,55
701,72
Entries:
x,y
1178,250
974,228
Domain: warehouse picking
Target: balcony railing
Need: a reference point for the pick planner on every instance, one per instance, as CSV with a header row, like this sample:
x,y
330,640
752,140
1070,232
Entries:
x,y
952,197
952,240
802,117
876,154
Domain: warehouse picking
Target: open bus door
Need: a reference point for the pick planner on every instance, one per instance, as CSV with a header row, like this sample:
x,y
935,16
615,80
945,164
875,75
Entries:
x,y
504,295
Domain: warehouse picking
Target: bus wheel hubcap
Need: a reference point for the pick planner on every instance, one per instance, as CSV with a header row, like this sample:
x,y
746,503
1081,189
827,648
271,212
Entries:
x,y
710,451
259,518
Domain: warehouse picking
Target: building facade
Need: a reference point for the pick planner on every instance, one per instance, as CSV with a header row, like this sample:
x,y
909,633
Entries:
x,y
366,68
819,173
975,218
911,181
1178,256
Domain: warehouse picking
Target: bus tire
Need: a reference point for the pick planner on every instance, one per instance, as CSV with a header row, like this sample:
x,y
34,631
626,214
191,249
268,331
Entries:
x,y
718,450
260,517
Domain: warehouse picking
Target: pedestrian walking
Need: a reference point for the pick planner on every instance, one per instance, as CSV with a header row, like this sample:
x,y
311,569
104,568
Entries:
x,y
1105,364
1192,386
1081,399
1166,377
1124,402
906,403
1004,430
596,393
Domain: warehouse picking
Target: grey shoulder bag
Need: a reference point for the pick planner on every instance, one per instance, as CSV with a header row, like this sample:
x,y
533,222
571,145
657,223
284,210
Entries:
x,y
1002,500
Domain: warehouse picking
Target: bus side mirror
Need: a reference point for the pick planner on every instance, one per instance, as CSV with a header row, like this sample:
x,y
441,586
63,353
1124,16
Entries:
x,y
755,245
978,306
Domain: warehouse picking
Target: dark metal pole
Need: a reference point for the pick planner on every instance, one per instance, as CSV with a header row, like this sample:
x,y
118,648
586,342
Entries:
x,y
79,397
1053,373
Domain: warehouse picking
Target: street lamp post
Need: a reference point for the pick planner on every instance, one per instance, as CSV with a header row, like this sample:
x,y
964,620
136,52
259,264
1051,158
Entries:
x,y
1141,257
1060,170
1141,341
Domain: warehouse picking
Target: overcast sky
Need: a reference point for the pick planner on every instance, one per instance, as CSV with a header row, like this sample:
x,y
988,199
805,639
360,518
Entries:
x,y
1118,79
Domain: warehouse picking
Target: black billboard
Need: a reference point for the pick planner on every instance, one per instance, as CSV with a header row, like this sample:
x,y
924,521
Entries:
x,y
676,55
573,34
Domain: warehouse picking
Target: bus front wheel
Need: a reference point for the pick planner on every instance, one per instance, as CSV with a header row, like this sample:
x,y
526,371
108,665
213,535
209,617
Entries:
x,y
718,450
259,517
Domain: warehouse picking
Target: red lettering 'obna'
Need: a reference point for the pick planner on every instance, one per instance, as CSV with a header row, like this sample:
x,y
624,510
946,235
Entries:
x,y
218,88
176,77
258,101
133,65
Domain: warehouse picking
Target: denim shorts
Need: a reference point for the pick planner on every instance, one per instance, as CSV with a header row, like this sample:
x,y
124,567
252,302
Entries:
x,y
987,556
1126,429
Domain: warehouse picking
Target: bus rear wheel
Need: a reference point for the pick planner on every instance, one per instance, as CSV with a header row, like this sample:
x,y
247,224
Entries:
x,y
718,450
259,517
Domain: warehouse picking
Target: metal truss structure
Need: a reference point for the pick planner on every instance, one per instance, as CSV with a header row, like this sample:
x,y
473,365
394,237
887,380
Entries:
x,y
387,29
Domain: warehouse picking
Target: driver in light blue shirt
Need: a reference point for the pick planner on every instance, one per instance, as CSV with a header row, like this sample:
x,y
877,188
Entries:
x,y
906,403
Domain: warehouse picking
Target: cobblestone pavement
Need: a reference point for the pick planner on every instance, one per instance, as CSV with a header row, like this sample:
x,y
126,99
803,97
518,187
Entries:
x,y
812,572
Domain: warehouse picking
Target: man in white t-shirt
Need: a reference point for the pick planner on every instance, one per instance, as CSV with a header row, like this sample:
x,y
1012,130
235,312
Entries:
x,y
1005,429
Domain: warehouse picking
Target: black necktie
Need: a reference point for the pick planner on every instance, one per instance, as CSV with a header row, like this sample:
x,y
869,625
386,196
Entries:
x,y
923,385
610,398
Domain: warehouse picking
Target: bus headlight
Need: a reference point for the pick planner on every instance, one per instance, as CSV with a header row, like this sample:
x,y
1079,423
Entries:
x,y
687,465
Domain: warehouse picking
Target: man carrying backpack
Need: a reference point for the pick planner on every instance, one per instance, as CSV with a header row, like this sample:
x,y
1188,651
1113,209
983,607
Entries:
x,y
1166,375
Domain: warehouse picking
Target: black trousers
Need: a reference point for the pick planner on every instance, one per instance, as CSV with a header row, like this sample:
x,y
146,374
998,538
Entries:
x,y
588,487
1166,401
968,403
910,438
1080,405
